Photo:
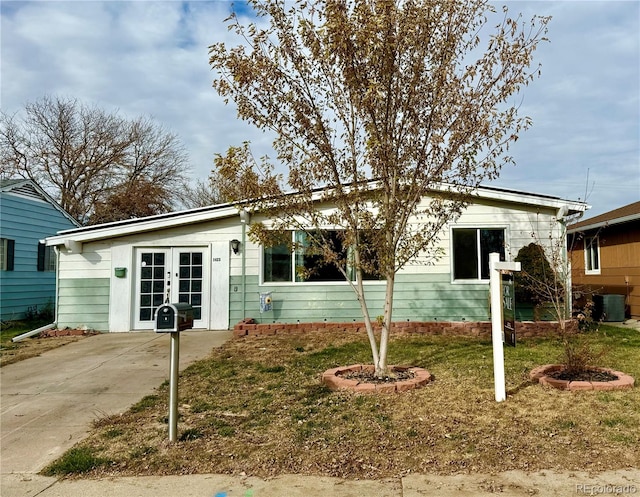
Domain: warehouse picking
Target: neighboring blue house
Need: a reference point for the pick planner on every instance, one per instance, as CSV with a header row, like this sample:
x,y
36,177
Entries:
x,y
27,267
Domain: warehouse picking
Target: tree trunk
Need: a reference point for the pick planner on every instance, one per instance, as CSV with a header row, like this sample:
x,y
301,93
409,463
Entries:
x,y
381,364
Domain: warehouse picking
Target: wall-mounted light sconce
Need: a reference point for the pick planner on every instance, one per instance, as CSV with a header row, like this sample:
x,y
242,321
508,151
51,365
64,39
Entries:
x,y
235,246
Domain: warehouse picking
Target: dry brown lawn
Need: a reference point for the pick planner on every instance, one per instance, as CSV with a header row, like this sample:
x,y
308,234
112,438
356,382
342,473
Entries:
x,y
11,352
256,407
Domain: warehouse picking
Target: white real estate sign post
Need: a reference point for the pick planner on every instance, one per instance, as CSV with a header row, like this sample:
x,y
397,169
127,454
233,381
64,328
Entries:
x,y
496,320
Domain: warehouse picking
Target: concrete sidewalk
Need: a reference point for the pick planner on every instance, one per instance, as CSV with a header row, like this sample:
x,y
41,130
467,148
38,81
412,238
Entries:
x,y
508,484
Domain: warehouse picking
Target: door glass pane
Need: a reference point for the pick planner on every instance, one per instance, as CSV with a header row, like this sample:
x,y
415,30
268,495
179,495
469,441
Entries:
x,y
152,285
190,281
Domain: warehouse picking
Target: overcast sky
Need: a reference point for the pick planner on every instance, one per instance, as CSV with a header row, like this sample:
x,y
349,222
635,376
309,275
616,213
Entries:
x,y
150,58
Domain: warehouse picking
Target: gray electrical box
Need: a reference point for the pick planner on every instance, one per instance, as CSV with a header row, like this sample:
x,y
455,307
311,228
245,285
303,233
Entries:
x,y
173,317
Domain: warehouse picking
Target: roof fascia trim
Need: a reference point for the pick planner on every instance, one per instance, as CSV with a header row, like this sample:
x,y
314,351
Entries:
x,y
140,227
602,224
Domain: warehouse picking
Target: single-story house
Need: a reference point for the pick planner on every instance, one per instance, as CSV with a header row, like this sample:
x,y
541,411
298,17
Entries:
x,y
112,277
605,261
27,266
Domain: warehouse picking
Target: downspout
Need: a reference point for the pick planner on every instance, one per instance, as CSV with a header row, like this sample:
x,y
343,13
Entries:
x,y
33,332
244,220
561,216
55,308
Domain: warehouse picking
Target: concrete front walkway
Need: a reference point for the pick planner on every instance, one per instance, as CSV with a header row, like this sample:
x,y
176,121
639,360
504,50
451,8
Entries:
x,y
49,402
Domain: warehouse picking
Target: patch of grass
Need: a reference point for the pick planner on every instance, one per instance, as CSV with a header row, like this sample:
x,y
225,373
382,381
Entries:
x,y
271,369
144,451
190,434
256,405
565,424
76,460
12,352
113,433
611,422
145,403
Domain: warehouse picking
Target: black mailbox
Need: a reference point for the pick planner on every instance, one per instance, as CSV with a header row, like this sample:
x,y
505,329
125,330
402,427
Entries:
x,y
174,317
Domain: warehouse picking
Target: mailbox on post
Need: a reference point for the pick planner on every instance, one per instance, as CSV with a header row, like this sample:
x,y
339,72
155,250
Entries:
x,y
174,318
171,318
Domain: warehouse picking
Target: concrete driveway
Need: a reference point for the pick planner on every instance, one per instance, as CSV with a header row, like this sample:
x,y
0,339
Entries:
x,y
48,402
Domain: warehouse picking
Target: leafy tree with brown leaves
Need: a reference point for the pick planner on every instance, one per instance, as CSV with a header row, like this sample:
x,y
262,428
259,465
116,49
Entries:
x,y
401,92
84,155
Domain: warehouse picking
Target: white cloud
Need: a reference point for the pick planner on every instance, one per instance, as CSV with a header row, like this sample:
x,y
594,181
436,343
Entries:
x,y
151,58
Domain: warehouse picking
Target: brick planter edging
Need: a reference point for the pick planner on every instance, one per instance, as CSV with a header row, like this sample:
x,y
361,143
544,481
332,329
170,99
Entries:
x,y
539,374
334,380
526,329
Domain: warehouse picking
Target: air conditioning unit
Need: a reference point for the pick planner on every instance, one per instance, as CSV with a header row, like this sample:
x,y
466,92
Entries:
x,y
608,307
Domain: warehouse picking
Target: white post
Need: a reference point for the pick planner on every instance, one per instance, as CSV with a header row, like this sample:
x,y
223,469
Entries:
x,y
173,385
496,328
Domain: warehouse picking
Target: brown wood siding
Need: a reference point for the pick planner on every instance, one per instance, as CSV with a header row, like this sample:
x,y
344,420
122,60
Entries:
x,y
619,264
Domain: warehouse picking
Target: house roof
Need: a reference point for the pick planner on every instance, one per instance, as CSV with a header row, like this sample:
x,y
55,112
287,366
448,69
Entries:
x,y
621,215
228,210
29,189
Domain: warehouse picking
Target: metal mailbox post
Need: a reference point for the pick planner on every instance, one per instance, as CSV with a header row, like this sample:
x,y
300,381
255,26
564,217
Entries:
x,y
173,318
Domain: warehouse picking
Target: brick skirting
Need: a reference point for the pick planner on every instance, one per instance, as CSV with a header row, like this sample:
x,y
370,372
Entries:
x,y
526,329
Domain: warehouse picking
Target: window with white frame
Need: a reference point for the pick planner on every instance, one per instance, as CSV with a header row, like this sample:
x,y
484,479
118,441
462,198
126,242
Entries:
x,y
591,255
470,249
282,265
7,250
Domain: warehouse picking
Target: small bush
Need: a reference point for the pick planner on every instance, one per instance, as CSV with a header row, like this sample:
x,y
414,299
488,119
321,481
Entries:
x,y
579,353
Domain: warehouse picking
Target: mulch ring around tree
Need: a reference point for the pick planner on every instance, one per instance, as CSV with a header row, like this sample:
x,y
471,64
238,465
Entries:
x,y
557,376
361,378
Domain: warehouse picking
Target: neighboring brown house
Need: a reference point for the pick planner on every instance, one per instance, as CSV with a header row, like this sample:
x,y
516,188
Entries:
x,y
605,256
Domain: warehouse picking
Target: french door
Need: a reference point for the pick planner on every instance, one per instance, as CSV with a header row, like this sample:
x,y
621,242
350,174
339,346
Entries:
x,y
170,275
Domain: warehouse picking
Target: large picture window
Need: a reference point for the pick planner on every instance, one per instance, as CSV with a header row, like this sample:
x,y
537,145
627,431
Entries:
x,y
280,264
470,251
591,255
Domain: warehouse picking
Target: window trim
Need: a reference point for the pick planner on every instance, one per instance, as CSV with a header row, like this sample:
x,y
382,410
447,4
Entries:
x,y
46,258
293,281
588,254
8,254
477,227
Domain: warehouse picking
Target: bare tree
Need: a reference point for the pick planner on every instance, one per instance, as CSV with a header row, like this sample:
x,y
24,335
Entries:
x,y
200,194
400,92
83,154
135,198
237,175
